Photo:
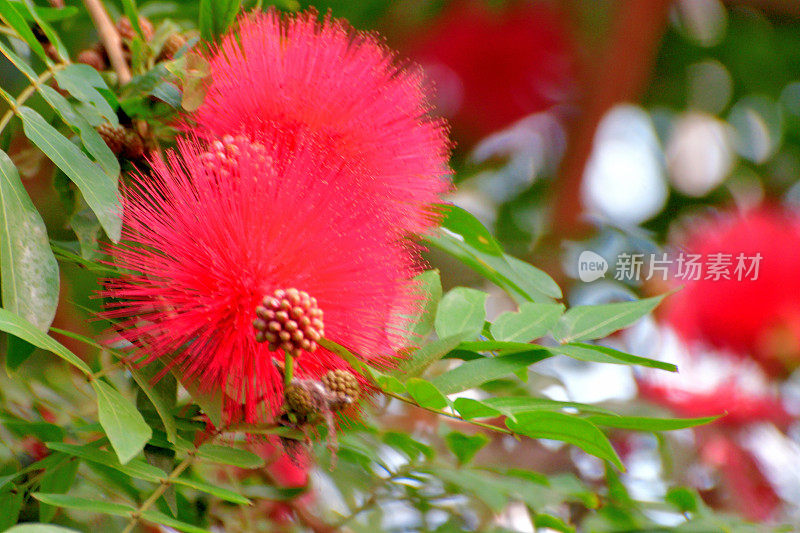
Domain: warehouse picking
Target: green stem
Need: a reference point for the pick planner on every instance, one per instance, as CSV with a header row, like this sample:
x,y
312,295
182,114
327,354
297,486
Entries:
x,y
288,369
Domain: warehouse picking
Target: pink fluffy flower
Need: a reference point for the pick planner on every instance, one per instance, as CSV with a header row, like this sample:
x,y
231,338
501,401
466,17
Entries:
x,y
214,234
290,76
757,316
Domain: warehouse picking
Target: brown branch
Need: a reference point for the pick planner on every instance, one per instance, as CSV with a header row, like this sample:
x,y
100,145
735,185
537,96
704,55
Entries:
x,y
619,75
110,38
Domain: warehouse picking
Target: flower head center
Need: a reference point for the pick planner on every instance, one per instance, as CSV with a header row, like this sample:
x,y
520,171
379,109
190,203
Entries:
x,y
290,320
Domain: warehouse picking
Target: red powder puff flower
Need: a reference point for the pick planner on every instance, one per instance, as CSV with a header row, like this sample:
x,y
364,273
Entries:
x,y
215,240
760,317
491,67
290,76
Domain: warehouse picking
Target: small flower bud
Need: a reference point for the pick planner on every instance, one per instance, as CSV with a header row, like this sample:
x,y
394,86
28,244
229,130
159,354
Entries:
x,y
343,386
277,321
114,136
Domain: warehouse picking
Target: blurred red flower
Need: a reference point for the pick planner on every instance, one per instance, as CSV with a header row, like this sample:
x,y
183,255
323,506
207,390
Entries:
x,y
757,318
287,76
211,233
492,66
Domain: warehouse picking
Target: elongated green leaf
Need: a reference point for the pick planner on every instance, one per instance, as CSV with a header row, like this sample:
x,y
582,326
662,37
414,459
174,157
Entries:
x,y
423,357
10,506
48,30
116,509
642,423
533,320
214,490
230,456
18,326
52,14
18,62
471,374
603,354
124,425
91,140
84,504
12,16
466,239
426,394
135,468
586,322
510,406
216,16
82,82
209,401
132,12
29,270
57,481
162,402
535,283
39,528
566,428
461,312
99,189
430,289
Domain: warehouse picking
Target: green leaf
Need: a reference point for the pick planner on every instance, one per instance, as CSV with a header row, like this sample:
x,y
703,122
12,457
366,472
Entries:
x,y
28,268
58,481
48,30
586,322
603,354
531,280
426,394
216,16
161,396
18,326
209,401
552,522
510,406
566,428
132,12
40,528
423,357
82,82
135,468
430,289
466,239
99,189
230,456
471,374
84,504
91,140
214,490
464,447
532,321
124,425
14,19
642,423
116,509
11,505
461,312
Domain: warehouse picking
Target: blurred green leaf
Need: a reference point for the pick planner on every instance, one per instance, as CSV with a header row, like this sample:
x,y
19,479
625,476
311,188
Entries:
x,y
566,428
464,447
56,480
30,281
11,504
99,189
603,354
586,322
461,312
510,406
430,290
426,394
18,326
161,395
471,374
40,528
124,425
230,456
423,357
642,423
552,522
532,321
216,16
